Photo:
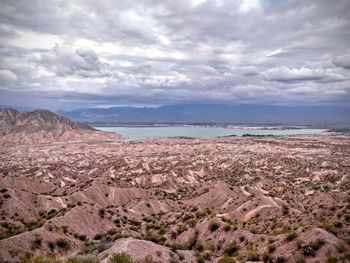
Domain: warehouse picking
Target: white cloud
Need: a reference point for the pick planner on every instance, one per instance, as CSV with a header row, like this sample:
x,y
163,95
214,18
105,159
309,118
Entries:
x,y
303,74
163,40
285,74
197,2
32,40
249,5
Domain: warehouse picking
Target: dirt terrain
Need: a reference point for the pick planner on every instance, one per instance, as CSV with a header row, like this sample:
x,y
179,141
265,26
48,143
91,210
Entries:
x,y
271,199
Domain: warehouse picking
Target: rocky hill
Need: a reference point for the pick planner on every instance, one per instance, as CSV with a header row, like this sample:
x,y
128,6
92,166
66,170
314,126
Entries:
x,y
13,121
43,126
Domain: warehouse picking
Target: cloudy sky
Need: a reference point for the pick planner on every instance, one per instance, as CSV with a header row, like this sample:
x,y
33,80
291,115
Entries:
x,y
62,54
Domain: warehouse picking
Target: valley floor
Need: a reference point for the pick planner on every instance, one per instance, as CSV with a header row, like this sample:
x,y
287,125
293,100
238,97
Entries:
x,y
273,199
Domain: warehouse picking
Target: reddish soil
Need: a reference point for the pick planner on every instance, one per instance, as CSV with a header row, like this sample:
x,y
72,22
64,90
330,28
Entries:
x,y
273,199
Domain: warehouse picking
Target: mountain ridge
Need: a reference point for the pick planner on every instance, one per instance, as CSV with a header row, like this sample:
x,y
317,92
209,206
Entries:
x,y
43,126
214,113
13,121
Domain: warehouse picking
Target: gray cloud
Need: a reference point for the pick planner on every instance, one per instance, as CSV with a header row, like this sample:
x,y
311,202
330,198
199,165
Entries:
x,y
65,61
81,53
343,61
7,75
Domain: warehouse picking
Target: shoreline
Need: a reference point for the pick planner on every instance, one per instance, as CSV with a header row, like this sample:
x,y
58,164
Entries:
x,y
242,127
142,133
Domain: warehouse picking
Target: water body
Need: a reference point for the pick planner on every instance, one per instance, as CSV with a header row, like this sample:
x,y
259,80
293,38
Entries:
x,y
139,133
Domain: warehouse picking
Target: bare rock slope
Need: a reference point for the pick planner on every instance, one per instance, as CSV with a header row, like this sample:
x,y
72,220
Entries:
x,y
43,126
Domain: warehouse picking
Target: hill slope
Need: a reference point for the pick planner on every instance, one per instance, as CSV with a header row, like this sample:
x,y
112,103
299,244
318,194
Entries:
x,y
13,121
43,126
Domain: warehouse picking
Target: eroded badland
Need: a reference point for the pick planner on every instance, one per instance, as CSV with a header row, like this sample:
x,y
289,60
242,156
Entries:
x,y
273,199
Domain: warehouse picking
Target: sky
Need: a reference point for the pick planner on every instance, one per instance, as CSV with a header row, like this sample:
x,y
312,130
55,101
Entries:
x,y
60,54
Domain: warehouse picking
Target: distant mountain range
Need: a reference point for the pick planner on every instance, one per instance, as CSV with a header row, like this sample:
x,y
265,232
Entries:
x,y
214,113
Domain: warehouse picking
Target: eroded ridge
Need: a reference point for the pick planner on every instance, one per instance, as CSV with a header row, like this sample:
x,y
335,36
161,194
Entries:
x,y
270,198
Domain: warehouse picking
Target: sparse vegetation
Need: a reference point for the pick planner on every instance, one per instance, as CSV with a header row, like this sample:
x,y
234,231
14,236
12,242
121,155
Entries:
x,y
262,203
63,244
121,257
341,247
227,227
102,212
213,225
93,247
83,259
253,256
51,258
271,248
291,236
231,249
39,259
329,227
285,209
192,241
36,242
281,259
311,248
226,259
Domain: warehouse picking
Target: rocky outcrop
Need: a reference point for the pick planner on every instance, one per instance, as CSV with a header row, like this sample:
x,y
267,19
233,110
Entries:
x,y
43,126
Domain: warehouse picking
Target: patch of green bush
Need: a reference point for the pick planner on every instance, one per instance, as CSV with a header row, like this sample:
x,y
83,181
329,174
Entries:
x,y
341,248
121,257
311,248
253,256
291,236
227,227
36,242
83,259
102,212
226,259
231,249
329,227
213,225
63,244
40,259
